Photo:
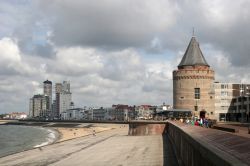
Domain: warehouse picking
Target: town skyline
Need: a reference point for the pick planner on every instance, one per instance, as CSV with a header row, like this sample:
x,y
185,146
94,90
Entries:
x,y
109,56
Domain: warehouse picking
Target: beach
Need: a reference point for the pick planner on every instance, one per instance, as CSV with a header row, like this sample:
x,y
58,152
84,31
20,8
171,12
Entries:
x,y
75,132
65,131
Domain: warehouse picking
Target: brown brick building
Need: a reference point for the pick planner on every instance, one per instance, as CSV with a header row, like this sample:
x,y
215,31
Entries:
x,y
193,83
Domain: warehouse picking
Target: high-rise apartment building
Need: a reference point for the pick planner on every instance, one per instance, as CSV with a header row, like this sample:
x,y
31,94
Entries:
x,y
39,106
47,91
63,97
58,90
193,83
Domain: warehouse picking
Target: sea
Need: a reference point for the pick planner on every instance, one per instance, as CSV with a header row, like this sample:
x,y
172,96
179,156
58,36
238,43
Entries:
x,y
16,138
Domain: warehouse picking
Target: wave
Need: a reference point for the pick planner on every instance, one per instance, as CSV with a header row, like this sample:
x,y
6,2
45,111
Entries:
x,y
51,138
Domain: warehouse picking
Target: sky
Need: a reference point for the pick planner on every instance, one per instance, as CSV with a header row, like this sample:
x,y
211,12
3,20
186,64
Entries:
x,y
115,51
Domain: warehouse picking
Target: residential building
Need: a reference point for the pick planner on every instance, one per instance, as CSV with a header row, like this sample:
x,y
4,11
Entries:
x,y
63,97
224,94
47,91
241,103
122,112
99,113
58,90
193,83
230,100
15,115
145,111
39,106
74,114
241,112
163,107
64,101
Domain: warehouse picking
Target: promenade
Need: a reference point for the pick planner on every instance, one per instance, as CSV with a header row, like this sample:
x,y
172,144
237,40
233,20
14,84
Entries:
x,y
113,147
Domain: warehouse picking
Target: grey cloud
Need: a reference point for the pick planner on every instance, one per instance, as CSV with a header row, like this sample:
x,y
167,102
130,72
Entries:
x,y
24,21
125,65
223,25
109,24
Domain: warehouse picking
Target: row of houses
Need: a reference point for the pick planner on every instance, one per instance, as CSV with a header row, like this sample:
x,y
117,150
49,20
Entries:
x,y
14,115
116,113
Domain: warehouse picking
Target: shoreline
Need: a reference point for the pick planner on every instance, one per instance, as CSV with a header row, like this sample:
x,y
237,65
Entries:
x,y
57,132
65,133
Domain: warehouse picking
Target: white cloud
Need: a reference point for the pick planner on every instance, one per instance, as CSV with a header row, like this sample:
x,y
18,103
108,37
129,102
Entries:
x,y
11,58
76,61
9,51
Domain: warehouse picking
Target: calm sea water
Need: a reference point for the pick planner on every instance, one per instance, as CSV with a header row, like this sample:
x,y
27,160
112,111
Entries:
x,y
18,138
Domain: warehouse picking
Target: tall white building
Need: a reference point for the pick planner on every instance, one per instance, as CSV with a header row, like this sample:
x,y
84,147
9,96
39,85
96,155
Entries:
x,y
63,97
65,100
66,86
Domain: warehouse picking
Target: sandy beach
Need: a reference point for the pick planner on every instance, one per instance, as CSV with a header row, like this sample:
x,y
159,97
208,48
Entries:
x,y
6,121
71,133
68,131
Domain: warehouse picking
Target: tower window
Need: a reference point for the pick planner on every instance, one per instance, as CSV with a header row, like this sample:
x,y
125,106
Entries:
x,y
197,93
196,108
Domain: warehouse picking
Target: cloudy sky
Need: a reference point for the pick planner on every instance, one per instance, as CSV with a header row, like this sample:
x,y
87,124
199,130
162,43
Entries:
x,y
115,51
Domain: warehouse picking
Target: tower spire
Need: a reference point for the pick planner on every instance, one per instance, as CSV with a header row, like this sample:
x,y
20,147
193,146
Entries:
x,y
193,55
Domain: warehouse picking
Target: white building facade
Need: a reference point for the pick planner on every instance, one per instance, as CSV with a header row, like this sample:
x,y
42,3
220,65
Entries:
x,y
39,105
74,114
225,93
63,98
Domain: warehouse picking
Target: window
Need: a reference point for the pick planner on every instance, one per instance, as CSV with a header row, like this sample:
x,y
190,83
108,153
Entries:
x,y
197,93
224,93
224,86
196,108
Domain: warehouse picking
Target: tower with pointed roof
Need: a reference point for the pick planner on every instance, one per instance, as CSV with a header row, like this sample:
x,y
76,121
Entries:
x,y
193,83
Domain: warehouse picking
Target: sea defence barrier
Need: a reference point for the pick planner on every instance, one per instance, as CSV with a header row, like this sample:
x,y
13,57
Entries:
x,y
195,145
140,128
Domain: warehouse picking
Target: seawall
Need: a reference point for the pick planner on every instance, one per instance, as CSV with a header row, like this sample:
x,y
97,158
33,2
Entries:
x,y
195,146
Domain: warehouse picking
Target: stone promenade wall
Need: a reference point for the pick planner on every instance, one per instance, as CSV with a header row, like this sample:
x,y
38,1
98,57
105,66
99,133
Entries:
x,y
197,146
192,151
146,129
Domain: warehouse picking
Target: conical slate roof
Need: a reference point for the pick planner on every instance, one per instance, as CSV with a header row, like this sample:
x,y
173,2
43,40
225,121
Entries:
x,y
193,55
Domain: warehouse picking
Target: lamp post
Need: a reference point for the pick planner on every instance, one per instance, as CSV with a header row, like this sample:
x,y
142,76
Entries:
x,y
247,110
241,102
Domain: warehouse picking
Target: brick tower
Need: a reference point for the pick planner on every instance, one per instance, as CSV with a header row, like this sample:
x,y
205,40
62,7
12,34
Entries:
x,y
193,83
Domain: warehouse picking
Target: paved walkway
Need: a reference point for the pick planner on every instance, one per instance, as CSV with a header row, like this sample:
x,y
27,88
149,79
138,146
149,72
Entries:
x,y
107,148
234,145
243,130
